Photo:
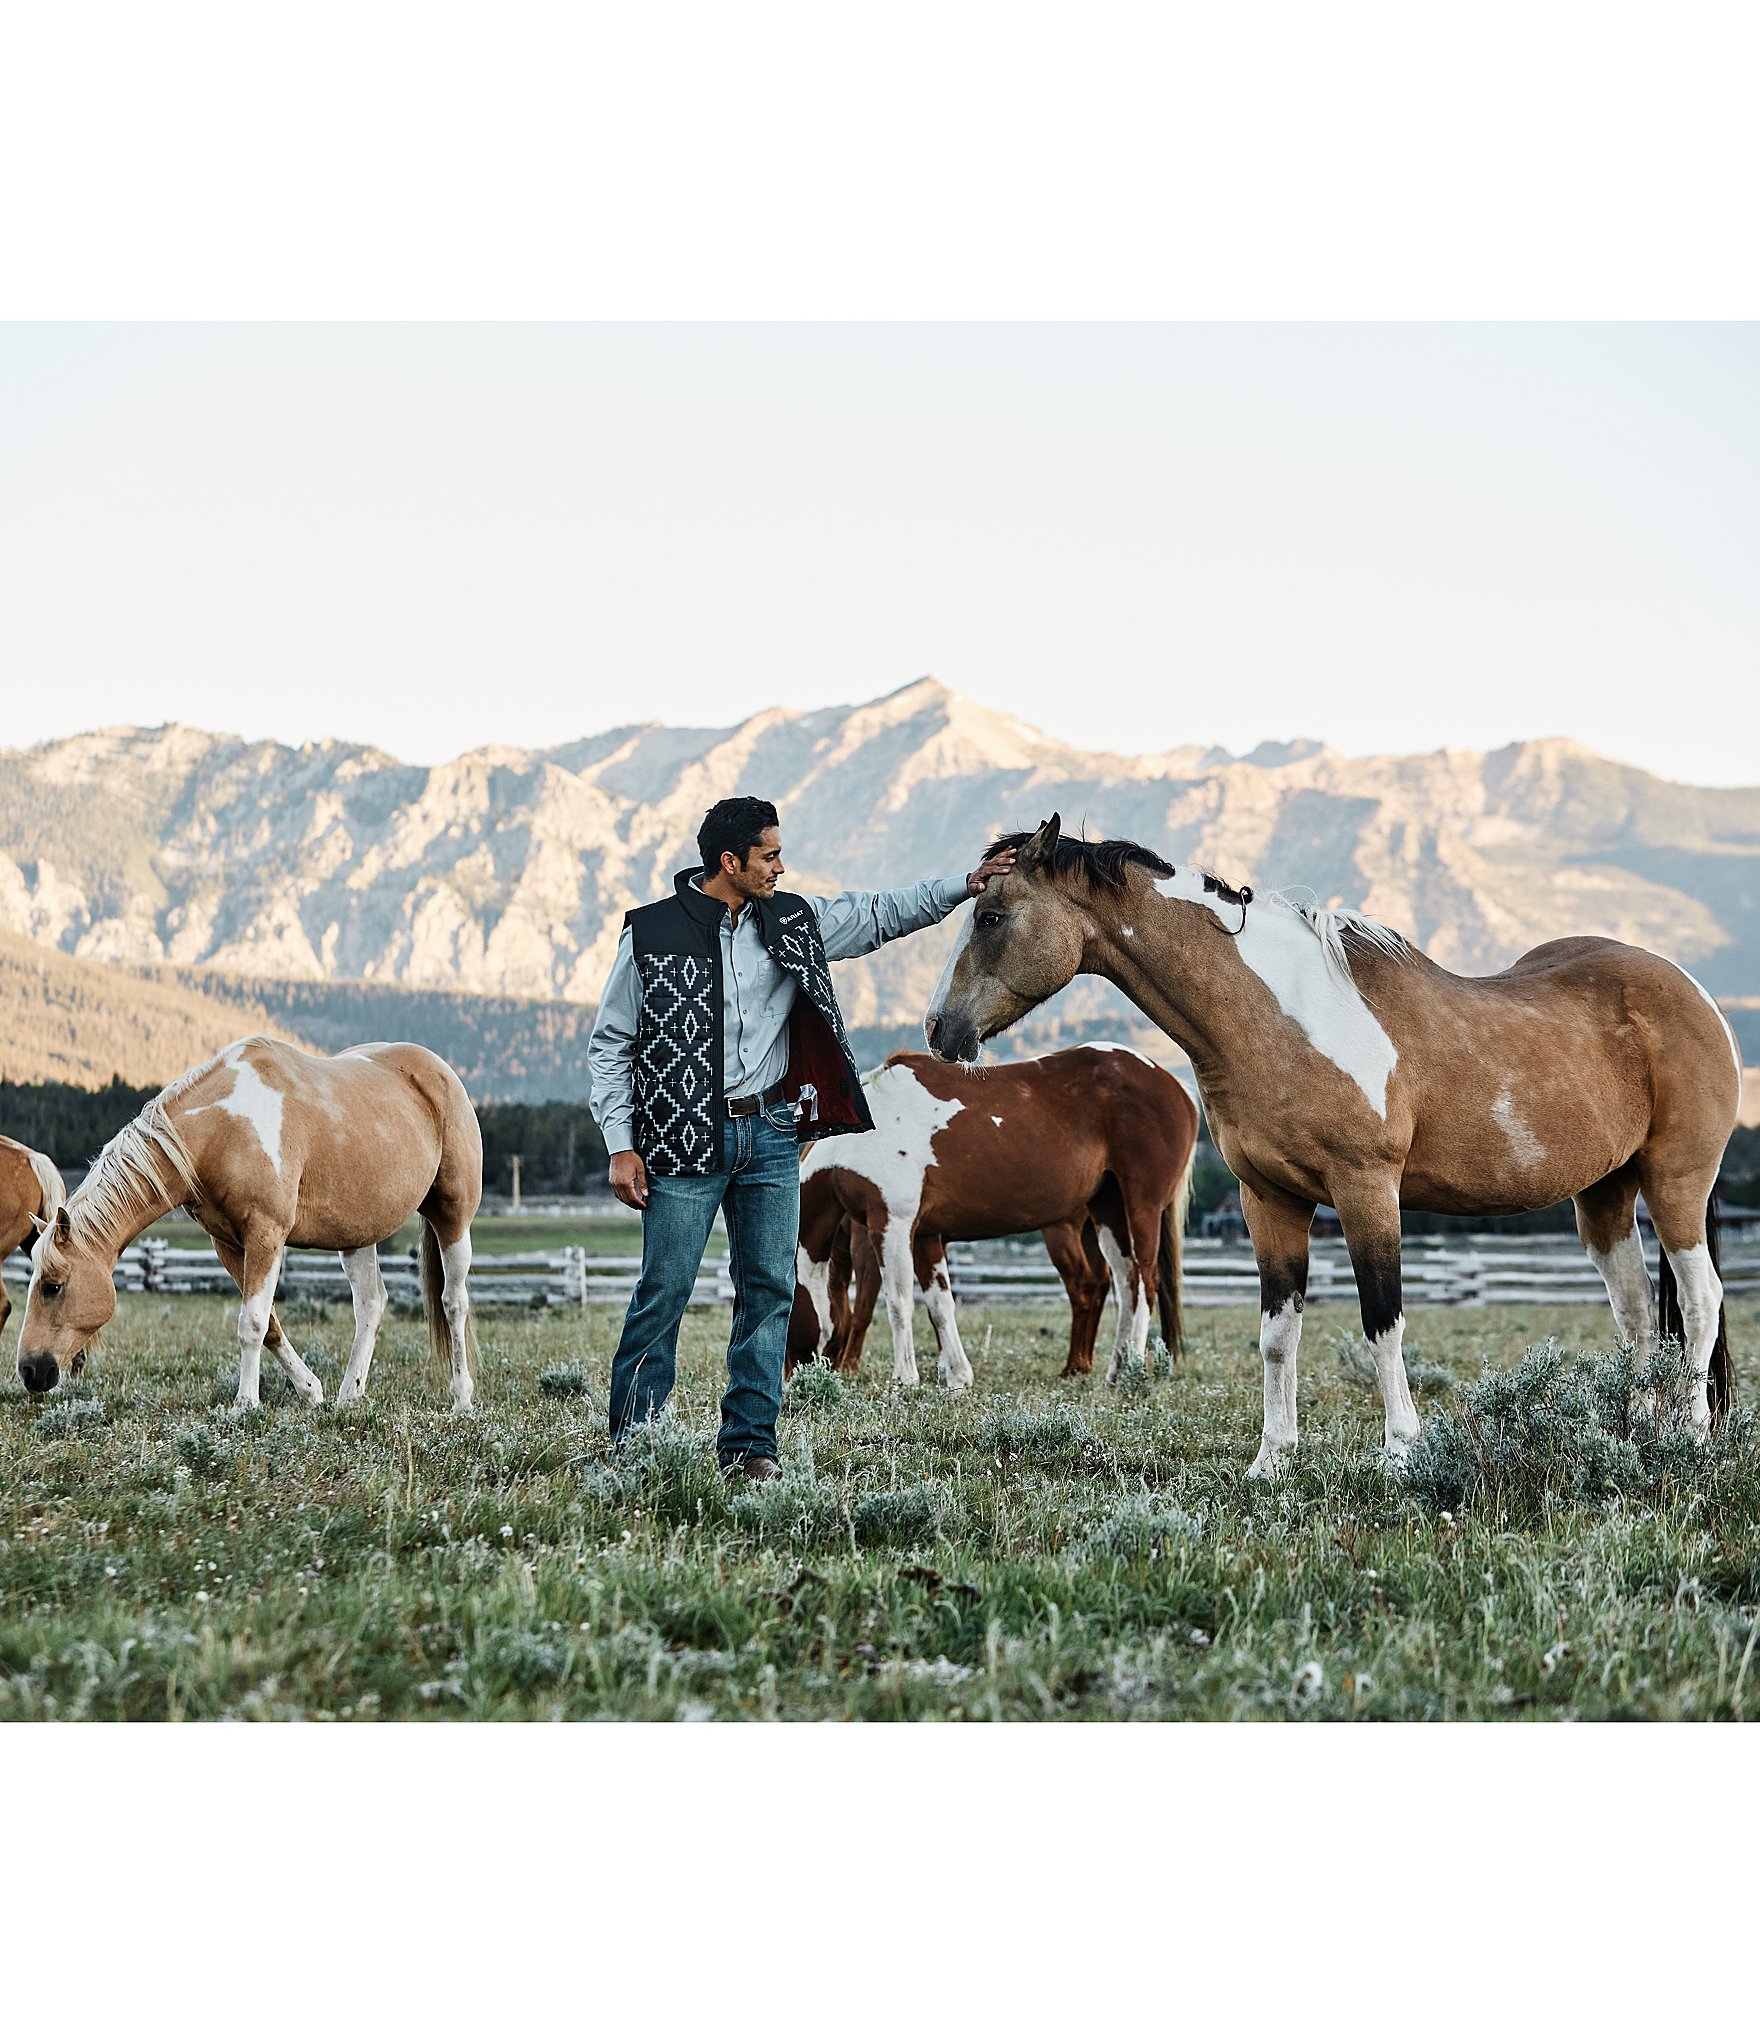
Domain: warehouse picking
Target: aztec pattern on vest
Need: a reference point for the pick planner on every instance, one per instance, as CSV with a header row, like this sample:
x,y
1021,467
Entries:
x,y
677,1065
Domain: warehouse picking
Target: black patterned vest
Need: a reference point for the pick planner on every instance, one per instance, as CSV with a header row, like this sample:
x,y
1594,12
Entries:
x,y
679,1084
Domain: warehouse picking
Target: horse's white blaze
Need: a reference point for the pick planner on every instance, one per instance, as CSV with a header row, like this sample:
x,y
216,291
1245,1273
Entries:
x,y
1387,1351
1628,1287
257,1104
367,1286
944,983
956,1369
1291,958
1280,1338
1516,1130
1701,1291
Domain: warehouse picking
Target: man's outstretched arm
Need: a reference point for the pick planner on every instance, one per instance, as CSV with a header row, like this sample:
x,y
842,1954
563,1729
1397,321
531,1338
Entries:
x,y
854,923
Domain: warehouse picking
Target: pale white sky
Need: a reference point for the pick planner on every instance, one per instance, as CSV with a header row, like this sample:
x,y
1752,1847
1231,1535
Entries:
x,y
432,537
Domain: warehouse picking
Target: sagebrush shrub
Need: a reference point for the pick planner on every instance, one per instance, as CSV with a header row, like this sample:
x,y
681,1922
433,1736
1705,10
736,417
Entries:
x,y
1581,1427
1043,1437
562,1383
903,1516
62,1419
1142,1526
815,1388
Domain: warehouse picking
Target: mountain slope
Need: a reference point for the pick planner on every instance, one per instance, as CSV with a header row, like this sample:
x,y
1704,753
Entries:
x,y
67,1020
507,872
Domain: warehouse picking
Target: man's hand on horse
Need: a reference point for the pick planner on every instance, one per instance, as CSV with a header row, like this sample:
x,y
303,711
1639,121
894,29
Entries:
x,y
629,1180
992,867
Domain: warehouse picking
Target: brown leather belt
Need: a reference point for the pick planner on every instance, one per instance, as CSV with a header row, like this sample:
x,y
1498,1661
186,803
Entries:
x,y
745,1108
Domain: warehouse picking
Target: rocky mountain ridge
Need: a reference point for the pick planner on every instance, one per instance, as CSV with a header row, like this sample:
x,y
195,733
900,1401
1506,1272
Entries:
x,y
506,872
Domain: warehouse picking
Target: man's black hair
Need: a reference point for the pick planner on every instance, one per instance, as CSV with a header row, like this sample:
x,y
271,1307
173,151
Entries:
x,y
737,825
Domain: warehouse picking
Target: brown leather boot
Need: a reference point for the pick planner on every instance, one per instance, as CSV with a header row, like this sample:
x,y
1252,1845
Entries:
x,y
752,1469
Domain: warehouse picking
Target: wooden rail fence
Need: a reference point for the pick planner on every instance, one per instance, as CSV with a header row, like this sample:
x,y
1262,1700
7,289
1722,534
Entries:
x,y
1450,1269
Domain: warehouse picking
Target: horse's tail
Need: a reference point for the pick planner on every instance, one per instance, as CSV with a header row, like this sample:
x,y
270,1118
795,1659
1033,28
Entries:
x,y
1167,1286
434,1302
49,1182
1672,1325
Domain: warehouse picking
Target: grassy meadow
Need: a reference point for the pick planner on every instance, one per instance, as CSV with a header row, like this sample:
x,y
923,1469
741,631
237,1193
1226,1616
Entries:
x,y
1035,1550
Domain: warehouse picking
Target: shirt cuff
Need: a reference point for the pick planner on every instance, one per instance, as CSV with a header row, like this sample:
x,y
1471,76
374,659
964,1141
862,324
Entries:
x,y
953,892
619,1134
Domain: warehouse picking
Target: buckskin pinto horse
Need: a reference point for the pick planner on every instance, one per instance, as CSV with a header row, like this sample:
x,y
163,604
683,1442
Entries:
x,y
1096,1132
268,1147
1337,1064
30,1189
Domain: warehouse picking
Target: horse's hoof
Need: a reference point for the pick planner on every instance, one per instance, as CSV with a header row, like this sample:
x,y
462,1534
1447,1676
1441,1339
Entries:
x,y
1271,1463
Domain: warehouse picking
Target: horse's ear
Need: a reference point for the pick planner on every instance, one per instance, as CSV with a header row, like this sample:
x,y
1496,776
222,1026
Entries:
x,y
1040,847
63,1225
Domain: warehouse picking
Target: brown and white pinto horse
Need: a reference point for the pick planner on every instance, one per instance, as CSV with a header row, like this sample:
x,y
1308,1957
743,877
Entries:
x,y
1097,1132
853,1278
1339,1065
30,1190
268,1147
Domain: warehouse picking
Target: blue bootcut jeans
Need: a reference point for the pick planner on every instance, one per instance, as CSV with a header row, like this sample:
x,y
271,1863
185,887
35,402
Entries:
x,y
759,1186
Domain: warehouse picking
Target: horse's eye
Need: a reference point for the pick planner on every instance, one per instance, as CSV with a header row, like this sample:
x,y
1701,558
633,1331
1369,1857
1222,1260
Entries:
x,y
50,1289
990,920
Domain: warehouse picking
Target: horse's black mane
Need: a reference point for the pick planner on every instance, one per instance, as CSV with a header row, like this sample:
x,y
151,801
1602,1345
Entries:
x,y
1102,864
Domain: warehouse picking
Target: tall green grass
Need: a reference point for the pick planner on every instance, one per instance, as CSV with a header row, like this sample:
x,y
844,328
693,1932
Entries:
x,y
1035,1550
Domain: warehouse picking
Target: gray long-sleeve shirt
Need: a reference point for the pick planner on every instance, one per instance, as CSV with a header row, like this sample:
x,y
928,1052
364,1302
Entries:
x,y
757,994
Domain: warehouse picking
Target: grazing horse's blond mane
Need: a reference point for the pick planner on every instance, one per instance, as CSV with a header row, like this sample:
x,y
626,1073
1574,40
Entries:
x,y
147,1162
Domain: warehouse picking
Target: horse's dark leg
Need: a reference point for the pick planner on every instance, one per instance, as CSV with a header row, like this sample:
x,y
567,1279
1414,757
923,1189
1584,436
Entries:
x,y
847,1356
1279,1229
1085,1284
1369,1212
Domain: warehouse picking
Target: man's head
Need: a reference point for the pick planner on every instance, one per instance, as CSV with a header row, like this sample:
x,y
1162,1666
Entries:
x,y
741,846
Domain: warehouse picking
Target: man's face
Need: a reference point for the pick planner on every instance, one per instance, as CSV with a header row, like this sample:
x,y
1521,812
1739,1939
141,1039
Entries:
x,y
756,878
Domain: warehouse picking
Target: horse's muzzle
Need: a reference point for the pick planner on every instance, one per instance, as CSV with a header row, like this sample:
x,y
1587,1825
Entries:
x,y
953,1037
38,1371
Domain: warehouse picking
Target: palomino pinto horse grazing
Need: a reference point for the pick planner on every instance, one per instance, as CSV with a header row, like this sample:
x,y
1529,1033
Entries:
x,y
1098,1132
267,1147
30,1190
1339,1065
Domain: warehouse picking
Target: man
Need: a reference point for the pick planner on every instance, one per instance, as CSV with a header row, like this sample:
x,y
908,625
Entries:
x,y
718,1049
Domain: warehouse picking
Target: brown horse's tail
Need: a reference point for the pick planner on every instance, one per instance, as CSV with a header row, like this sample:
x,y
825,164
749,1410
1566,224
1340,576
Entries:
x,y
1672,1326
1167,1285
434,1302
